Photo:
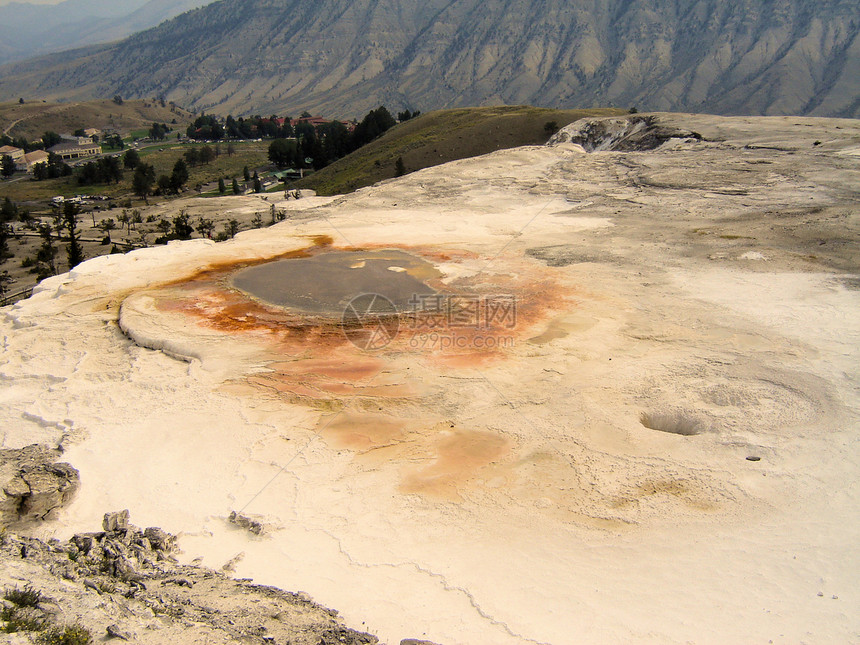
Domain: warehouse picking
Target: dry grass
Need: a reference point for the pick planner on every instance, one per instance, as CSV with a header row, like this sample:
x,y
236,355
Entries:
x,y
36,117
68,635
440,137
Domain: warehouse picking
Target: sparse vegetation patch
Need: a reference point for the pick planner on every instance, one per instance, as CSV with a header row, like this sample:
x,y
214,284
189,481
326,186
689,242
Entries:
x,y
69,635
26,597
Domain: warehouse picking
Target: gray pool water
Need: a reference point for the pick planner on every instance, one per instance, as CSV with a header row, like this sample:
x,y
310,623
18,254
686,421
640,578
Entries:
x,y
325,283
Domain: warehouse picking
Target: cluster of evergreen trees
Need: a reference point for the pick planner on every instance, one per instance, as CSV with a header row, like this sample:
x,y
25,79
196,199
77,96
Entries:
x,y
206,128
204,155
159,131
55,167
101,171
144,182
321,145
114,141
256,127
304,144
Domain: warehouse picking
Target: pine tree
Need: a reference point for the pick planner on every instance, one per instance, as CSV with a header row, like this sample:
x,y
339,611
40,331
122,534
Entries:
x,y
179,176
74,251
144,178
7,166
8,211
46,253
4,242
131,159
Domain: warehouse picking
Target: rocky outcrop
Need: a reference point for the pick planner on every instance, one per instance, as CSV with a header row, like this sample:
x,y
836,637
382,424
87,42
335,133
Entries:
x,y
248,523
33,485
630,134
125,583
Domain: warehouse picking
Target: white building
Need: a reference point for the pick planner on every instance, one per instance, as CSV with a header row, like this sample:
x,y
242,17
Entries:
x,y
12,151
67,151
28,161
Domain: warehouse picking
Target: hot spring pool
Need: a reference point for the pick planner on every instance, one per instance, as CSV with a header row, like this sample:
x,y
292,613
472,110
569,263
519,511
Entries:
x,y
325,283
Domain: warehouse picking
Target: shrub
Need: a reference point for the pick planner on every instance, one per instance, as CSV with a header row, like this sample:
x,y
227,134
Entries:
x,y
26,597
21,619
69,635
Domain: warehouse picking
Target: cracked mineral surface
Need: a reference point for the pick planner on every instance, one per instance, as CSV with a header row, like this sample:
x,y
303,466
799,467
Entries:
x,y
626,409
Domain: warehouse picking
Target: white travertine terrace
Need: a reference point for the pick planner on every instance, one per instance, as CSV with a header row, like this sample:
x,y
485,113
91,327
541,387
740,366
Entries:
x,y
511,496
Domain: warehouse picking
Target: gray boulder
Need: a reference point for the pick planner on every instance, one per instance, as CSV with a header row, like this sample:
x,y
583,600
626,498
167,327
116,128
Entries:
x,y
32,485
116,522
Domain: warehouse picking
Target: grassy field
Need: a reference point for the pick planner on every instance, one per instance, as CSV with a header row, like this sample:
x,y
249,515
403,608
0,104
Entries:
x,y
439,137
252,154
31,119
36,194
138,134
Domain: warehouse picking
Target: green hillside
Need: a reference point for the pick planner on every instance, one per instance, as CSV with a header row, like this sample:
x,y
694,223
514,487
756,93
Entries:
x,y
439,137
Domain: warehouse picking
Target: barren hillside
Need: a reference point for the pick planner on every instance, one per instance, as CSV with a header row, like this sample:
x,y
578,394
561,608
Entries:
x,y
32,118
343,57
